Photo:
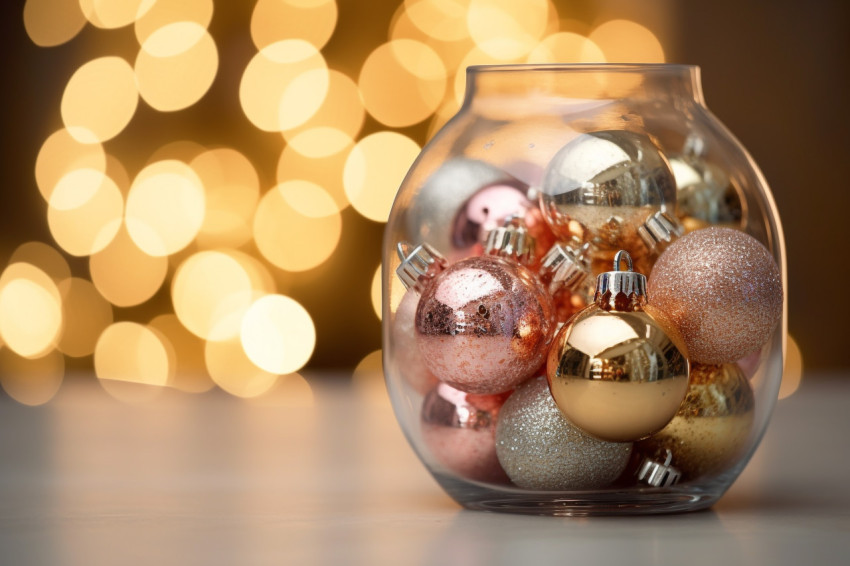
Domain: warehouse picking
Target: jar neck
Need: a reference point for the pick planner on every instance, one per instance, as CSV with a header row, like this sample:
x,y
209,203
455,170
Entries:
x,y
585,82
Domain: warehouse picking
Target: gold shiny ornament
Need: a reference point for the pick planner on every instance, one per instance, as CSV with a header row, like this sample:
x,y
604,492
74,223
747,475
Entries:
x,y
618,369
705,194
712,428
617,186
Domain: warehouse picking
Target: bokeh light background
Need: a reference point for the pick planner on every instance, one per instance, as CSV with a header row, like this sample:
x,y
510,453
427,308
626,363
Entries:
x,y
199,187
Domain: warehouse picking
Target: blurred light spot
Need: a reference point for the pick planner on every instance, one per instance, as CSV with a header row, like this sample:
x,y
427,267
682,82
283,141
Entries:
x,y
53,22
44,257
31,382
124,274
211,292
793,372
100,99
165,12
60,154
441,19
566,47
85,313
506,29
278,334
624,41
368,379
165,207
324,171
376,292
111,14
297,225
232,191
85,212
284,85
176,66
275,20
116,171
374,170
262,281
335,124
30,310
402,82
131,361
231,369
291,390
185,352
180,150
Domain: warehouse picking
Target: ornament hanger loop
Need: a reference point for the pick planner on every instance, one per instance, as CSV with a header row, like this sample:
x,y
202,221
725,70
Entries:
x,y
623,254
403,250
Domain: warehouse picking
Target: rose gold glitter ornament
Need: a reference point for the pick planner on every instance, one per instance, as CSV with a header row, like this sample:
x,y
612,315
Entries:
x,y
459,430
484,324
712,427
618,369
722,289
617,187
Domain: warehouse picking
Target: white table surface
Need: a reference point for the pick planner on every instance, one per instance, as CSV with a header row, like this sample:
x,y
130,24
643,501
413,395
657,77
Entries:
x,y
210,479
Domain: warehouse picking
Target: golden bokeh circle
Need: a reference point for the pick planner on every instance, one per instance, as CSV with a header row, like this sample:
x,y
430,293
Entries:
x,y
625,41
112,14
165,12
185,352
124,274
85,212
232,370
324,171
31,381
566,47
131,361
85,313
506,29
53,22
30,310
311,20
278,334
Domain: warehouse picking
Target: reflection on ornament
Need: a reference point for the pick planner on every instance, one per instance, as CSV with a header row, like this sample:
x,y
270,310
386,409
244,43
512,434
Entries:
x,y
618,369
540,449
723,291
459,430
484,324
458,200
705,193
611,183
711,430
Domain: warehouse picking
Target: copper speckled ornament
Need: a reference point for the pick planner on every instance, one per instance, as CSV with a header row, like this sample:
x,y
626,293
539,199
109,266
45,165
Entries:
x,y
540,449
722,289
459,430
484,325
712,428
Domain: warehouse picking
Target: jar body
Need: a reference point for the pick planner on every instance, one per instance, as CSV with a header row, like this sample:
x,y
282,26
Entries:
x,y
490,163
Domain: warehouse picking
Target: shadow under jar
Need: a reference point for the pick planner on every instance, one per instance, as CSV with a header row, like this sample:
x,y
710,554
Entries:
x,y
509,223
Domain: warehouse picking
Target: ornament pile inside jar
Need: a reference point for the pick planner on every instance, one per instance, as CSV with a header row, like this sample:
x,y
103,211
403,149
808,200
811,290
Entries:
x,y
529,373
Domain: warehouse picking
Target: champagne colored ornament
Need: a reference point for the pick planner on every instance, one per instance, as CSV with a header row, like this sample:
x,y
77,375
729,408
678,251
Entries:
x,y
460,201
711,430
723,291
459,430
540,449
418,267
705,194
617,185
618,369
484,324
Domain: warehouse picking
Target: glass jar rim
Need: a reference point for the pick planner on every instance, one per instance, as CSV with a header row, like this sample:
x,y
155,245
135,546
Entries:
x,y
590,67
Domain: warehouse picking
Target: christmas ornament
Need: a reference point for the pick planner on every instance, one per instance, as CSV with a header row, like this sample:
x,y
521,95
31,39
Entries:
x,y
614,189
705,194
712,428
658,474
459,430
723,291
618,369
484,324
418,267
540,449
459,202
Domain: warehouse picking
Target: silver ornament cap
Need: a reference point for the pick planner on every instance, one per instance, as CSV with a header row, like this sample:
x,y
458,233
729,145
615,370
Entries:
x,y
567,265
621,290
659,231
657,474
418,265
511,241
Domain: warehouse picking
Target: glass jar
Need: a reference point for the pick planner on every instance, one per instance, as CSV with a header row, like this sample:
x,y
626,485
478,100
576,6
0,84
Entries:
x,y
498,239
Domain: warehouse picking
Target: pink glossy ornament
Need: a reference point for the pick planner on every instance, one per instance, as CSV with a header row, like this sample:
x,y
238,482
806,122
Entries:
x,y
722,289
459,430
484,324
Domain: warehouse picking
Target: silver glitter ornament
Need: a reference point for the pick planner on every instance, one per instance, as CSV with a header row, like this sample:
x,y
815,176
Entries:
x,y
604,186
540,449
